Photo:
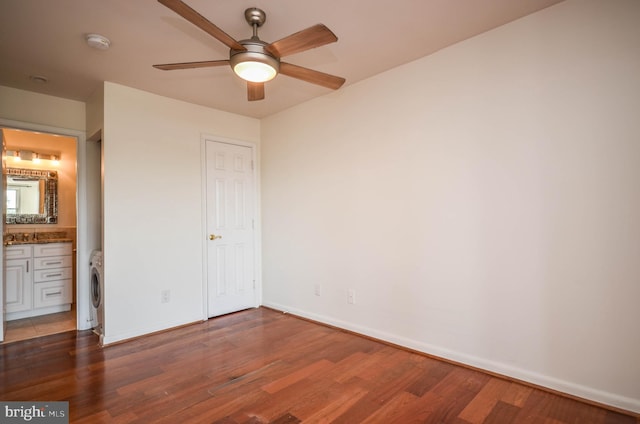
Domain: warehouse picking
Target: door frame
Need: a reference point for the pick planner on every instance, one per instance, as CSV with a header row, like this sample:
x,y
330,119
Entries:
x,y
82,298
257,234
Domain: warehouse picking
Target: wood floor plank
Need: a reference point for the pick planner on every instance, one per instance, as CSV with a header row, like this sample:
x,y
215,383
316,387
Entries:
x,y
516,394
261,366
387,359
483,403
358,411
308,396
277,385
502,413
349,367
396,380
391,411
349,396
450,406
286,419
431,375
427,408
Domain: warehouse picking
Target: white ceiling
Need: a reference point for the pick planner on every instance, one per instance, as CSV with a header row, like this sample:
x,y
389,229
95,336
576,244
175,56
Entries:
x,y
47,37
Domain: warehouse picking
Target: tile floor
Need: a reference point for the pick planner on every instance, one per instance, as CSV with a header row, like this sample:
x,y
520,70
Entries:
x,y
29,328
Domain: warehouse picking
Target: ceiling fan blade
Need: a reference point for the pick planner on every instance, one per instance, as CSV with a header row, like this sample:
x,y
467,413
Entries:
x,y
309,75
255,91
312,37
190,65
201,22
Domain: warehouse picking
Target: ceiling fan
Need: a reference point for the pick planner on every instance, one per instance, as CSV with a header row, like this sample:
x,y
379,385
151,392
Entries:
x,y
254,60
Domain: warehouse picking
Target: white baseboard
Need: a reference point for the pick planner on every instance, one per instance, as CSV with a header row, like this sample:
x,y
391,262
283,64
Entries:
x,y
584,392
144,331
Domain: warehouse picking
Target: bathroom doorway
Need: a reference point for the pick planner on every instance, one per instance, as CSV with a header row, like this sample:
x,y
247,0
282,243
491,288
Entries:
x,y
46,308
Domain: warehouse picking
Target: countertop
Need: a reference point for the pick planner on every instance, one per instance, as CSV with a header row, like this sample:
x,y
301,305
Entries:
x,y
43,241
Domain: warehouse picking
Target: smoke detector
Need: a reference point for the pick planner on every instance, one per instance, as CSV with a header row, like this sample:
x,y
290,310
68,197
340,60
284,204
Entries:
x,y
98,41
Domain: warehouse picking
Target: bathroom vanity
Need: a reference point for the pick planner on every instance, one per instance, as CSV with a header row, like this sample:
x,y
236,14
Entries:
x,y
38,278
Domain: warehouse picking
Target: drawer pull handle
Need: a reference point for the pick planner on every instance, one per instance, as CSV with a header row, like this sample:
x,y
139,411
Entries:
x,y
53,275
53,263
58,293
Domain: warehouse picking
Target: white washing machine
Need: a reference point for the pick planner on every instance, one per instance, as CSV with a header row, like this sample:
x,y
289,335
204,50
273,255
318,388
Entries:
x,y
97,291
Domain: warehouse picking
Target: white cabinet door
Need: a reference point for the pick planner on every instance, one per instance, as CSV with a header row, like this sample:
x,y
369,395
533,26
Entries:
x,y
18,285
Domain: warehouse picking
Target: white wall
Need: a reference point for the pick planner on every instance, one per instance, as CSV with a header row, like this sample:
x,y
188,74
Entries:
x,y
27,106
153,233
95,114
483,202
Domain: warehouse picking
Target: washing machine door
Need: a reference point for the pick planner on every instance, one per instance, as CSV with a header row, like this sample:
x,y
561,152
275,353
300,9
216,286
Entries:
x,y
96,292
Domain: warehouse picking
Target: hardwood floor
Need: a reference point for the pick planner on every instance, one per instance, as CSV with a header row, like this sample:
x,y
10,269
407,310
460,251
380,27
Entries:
x,y
261,366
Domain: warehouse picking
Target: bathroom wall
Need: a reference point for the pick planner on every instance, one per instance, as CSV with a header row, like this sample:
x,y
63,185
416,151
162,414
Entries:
x,y
39,142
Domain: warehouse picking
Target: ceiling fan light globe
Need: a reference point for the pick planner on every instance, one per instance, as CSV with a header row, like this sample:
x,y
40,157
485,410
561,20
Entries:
x,y
254,64
255,71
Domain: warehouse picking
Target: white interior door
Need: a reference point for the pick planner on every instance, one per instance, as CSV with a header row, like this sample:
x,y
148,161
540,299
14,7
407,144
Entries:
x,y
230,221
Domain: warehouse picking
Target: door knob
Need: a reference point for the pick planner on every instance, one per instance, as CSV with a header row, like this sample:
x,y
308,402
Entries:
x,y
213,237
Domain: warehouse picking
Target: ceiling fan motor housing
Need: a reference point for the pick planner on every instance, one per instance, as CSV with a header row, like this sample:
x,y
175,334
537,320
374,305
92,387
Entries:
x,y
255,52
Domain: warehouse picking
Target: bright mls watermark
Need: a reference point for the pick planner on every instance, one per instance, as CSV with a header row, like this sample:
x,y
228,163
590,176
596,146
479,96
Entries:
x,y
34,412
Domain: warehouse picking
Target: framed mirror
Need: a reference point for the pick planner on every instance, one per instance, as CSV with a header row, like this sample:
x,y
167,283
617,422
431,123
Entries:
x,y
32,196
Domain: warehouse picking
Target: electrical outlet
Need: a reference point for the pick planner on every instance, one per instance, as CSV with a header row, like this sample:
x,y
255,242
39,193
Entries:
x,y
351,296
318,289
165,296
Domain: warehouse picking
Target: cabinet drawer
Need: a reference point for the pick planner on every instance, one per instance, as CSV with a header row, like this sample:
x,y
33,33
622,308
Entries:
x,y
51,249
51,293
40,275
18,252
52,262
